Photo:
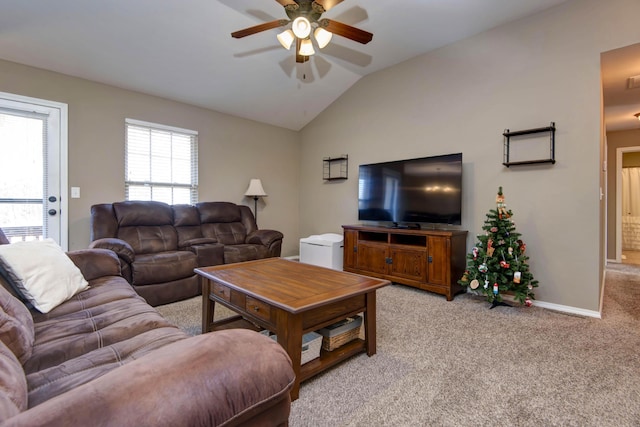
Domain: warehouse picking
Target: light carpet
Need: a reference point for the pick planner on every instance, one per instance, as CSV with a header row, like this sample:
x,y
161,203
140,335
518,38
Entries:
x,y
458,363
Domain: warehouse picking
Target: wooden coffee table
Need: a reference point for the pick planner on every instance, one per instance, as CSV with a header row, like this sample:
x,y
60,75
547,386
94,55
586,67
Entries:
x,y
291,299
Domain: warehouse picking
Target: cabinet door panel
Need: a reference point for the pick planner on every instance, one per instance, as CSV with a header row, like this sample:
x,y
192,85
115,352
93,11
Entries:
x,y
373,257
409,263
350,247
438,260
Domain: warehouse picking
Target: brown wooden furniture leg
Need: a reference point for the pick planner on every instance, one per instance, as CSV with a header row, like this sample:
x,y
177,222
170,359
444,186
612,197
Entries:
x,y
370,323
289,331
207,305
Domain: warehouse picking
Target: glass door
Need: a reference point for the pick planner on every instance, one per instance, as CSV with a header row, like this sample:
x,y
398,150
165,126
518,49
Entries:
x,y
32,206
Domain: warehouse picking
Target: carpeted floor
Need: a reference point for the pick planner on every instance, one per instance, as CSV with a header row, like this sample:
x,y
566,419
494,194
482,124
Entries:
x,y
458,363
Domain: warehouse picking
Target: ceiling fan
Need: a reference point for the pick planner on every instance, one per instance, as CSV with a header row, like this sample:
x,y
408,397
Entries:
x,y
305,16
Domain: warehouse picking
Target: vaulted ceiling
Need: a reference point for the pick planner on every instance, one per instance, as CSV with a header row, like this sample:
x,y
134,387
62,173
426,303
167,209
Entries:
x,y
182,49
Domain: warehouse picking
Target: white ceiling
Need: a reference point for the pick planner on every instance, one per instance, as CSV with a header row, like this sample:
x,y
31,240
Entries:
x,y
182,49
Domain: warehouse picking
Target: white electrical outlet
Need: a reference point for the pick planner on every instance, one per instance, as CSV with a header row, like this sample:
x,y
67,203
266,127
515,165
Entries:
x,y
75,192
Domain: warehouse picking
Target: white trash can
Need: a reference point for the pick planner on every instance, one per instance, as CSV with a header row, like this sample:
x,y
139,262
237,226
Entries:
x,y
324,250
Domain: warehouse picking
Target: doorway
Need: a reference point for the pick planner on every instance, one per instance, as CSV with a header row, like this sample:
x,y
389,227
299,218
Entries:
x,y
33,147
628,204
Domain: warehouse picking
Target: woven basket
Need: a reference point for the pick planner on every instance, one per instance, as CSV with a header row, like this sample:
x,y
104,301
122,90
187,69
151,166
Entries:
x,y
331,343
349,329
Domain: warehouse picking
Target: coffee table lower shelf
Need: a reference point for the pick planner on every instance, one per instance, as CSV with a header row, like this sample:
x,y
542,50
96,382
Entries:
x,y
329,358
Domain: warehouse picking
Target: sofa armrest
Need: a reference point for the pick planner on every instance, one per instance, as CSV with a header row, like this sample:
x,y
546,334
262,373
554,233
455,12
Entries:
x,y
119,246
199,241
226,377
94,263
208,254
264,237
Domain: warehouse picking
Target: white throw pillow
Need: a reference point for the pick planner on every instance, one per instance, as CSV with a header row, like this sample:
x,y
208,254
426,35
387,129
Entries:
x,y
42,272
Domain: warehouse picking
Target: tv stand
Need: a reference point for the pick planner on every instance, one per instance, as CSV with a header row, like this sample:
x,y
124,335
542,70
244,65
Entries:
x,y
432,260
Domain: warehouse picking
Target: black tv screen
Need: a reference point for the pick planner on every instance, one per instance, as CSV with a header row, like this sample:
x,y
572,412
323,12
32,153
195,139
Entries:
x,y
423,190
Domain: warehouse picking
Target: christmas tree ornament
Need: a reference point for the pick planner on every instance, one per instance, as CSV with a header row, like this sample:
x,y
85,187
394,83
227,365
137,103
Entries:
x,y
503,265
528,302
490,247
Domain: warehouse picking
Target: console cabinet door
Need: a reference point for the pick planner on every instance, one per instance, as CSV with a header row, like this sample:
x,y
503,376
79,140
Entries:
x,y
438,260
350,249
408,263
373,257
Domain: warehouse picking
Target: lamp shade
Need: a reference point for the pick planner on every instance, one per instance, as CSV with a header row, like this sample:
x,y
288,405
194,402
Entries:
x,y
323,37
255,189
306,48
286,39
301,27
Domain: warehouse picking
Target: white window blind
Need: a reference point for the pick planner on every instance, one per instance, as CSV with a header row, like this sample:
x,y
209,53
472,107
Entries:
x,y
161,163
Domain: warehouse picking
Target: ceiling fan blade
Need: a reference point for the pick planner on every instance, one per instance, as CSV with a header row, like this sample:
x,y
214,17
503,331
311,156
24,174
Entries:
x,y
301,59
327,4
286,2
259,28
345,30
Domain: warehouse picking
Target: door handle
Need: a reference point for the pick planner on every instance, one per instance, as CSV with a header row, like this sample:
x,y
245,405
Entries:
x,y
52,212
52,199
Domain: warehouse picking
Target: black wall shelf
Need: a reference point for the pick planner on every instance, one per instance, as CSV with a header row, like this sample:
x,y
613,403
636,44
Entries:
x,y
551,129
335,168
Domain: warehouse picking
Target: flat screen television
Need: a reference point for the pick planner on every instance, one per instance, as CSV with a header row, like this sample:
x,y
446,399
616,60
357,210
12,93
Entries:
x,y
412,191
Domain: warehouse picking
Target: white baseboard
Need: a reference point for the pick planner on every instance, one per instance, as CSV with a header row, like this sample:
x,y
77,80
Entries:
x,y
561,308
568,309
292,257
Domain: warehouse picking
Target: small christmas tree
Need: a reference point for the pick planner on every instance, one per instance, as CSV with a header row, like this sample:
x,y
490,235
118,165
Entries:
x,y
498,264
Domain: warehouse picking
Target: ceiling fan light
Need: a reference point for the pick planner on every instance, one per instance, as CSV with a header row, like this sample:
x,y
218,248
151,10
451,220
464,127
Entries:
x,y
301,27
323,37
306,48
286,39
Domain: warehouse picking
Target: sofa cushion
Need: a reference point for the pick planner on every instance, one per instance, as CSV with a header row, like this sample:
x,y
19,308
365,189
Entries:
x,y
134,213
241,253
146,239
219,212
13,385
163,267
16,326
232,233
35,265
88,336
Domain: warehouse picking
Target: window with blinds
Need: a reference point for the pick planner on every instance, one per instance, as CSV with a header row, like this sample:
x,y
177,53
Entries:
x,y
161,163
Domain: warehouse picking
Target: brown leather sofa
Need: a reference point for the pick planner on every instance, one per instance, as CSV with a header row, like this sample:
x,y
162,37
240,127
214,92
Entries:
x,y
160,245
105,357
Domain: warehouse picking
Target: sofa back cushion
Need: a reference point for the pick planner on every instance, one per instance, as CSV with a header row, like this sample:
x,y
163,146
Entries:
x,y
222,221
147,226
16,325
13,385
186,220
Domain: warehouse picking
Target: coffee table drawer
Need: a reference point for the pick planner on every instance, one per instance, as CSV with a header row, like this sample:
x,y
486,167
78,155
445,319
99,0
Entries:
x,y
221,291
258,308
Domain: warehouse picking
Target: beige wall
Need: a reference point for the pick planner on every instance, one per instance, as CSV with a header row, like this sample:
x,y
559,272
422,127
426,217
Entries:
x,y
231,150
460,98
615,140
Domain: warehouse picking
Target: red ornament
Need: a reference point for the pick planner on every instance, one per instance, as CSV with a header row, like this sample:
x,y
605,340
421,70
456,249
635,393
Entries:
x,y
504,264
528,302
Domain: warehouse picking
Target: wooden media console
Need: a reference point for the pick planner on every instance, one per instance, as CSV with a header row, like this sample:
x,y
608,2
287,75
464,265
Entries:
x,y
433,260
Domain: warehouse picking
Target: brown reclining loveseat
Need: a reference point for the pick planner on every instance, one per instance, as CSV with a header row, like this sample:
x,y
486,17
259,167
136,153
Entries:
x,y
105,357
159,245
